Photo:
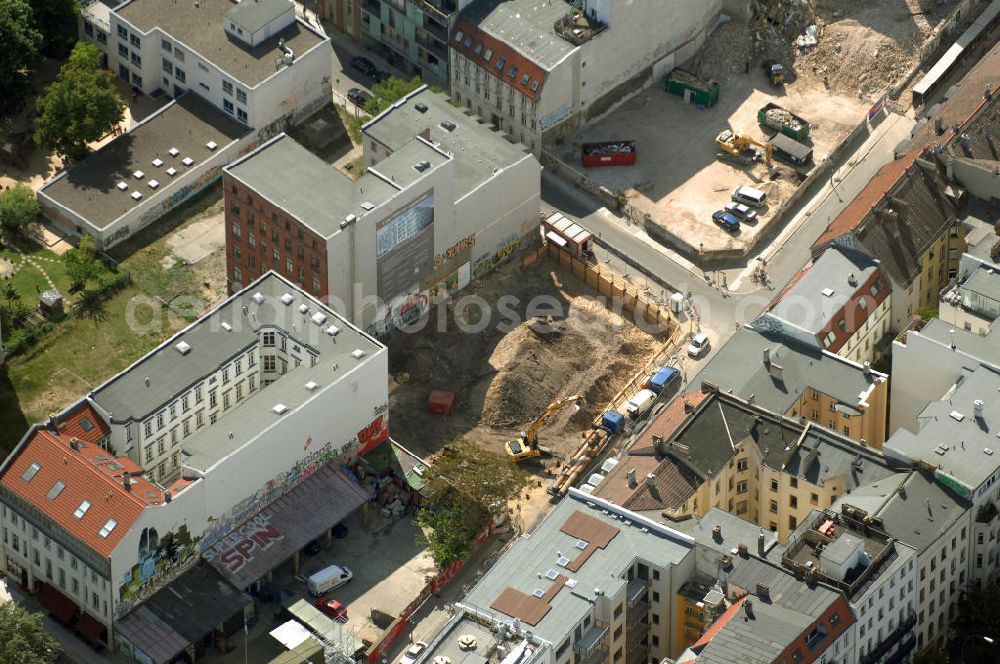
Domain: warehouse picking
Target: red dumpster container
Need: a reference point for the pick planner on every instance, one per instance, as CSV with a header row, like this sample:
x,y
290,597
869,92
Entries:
x,y
441,402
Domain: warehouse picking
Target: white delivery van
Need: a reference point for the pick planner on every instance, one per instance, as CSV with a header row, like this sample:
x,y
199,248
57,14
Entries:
x,y
749,196
640,403
327,579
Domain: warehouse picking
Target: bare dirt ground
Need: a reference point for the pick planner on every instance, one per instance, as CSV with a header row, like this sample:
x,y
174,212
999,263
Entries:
x,y
505,375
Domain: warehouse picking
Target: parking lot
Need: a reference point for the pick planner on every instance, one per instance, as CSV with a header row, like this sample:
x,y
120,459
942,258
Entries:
x,y
679,181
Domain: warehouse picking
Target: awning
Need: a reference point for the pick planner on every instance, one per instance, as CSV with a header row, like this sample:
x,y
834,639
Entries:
x,y
290,634
155,638
268,539
342,638
91,629
60,606
556,239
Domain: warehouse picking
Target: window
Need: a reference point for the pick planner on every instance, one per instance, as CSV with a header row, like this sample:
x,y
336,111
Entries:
x,y
793,482
199,419
179,73
315,285
31,471
165,45
792,522
212,399
225,400
774,506
774,485
198,398
134,40
168,66
185,403
123,50
225,375
241,115
793,502
82,509
814,498
741,465
227,87
136,59
88,28
122,32
741,487
253,383
268,339
227,106
241,96
269,364
106,530
741,507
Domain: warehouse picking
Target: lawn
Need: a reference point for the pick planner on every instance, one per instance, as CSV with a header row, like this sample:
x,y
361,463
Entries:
x,y
28,276
81,353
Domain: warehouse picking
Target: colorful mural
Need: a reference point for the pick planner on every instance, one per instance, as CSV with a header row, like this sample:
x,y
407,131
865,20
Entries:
x,y
451,284
402,311
160,559
241,546
504,250
452,252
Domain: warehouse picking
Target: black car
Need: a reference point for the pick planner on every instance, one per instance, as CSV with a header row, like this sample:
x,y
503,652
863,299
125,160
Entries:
x,y
312,548
358,97
340,531
364,65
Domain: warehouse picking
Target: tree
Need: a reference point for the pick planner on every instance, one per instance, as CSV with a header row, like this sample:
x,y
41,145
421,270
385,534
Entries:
x,y
56,20
21,41
933,656
81,263
10,294
978,617
388,92
18,207
23,637
467,486
81,106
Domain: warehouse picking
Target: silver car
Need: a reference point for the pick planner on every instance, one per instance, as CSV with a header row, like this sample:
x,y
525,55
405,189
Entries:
x,y
741,211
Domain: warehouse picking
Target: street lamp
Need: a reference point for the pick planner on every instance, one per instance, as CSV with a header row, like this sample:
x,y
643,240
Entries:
x,y
986,639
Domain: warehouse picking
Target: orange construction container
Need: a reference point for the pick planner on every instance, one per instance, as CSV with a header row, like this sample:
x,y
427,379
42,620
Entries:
x,y
441,402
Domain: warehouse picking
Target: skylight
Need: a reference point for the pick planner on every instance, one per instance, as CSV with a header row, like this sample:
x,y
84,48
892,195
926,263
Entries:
x,y
82,509
56,490
563,561
86,424
551,575
580,544
108,527
31,471
318,318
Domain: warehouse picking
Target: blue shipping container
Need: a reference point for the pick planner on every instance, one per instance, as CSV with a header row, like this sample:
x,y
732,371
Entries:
x,y
662,378
613,421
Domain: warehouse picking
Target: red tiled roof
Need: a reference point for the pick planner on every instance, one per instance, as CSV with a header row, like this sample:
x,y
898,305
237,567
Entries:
x,y
468,39
88,474
853,314
84,423
874,191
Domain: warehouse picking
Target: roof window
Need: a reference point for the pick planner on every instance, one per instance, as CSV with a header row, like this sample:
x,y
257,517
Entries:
x,y
174,152
138,175
86,424
333,330
489,55
187,161
171,171
468,42
108,527
122,186
534,86
525,79
501,61
211,145
318,318
153,184
82,509
479,48
56,490
31,471
513,71
183,347
280,409
137,195
287,299
357,354
458,36
157,162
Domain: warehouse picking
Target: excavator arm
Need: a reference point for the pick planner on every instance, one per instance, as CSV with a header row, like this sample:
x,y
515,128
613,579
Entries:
x,y
527,446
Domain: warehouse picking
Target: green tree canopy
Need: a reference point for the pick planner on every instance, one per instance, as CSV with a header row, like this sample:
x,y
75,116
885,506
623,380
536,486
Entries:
x,y
81,263
56,20
81,106
18,207
978,617
23,638
20,41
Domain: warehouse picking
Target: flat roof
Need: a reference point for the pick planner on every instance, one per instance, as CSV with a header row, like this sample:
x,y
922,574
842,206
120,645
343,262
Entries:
x,y
212,345
530,564
733,532
824,289
963,446
739,366
982,347
985,282
200,27
320,196
90,188
411,162
526,25
253,15
445,643
479,152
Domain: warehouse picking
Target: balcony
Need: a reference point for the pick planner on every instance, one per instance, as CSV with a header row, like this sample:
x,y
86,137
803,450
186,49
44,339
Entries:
x,y
577,28
593,646
905,628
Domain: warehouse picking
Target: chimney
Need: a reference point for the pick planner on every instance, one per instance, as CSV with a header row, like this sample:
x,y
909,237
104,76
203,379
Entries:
x,y
760,544
659,446
852,280
951,336
938,125
977,405
167,497
777,373
763,591
650,480
987,93
966,144
688,407
868,371
767,356
748,608
74,444
147,381
717,533
127,481
630,478
744,552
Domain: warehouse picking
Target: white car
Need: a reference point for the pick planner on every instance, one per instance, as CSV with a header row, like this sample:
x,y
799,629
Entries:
x,y
699,345
741,211
415,650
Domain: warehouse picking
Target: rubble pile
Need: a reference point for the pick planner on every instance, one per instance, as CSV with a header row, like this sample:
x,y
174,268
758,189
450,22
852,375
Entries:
x,y
784,118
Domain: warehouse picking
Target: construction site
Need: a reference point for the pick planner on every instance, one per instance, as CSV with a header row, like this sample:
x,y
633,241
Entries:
x,y
789,85
549,337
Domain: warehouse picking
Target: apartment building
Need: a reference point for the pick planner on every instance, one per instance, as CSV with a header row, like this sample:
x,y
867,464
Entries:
x,y
253,60
537,71
956,437
443,201
840,302
797,379
594,583
920,511
874,572
190,454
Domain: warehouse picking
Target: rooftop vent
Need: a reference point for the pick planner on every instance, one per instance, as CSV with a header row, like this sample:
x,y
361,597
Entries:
x,y
318,318
421,107
312,385
563,561
187,161
174,152
551,575
367,206
171,171
570,583
211,145
957,416
257,297
287,299
988,451
539,593
828,292
357,354
448,125
138,175
136,195
183,347
303,308
333,330
280,409
227,327
157,162
422,165
153,184
940,450
852,280
122,186
580,544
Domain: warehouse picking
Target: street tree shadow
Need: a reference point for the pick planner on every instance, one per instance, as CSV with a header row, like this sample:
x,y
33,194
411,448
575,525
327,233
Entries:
x,y
93,306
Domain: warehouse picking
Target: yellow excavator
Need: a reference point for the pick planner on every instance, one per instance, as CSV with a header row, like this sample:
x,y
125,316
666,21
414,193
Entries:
x,y
527,447
741,147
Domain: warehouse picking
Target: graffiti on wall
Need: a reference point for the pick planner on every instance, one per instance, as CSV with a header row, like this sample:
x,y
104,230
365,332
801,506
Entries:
x,y
451,284
243,544
159,561
119,235
504,250
452,252
402,311
373,435
188,190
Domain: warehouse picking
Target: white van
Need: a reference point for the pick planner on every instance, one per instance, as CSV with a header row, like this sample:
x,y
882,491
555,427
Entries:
x,y
640,403
327,579
749,196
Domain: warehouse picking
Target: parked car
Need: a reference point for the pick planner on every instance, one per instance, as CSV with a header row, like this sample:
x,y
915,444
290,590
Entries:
x,y
741,211
415,650
726,221
327,579
340,531
749,196
312,548
699,345
364,65
640,403
358,97
332,608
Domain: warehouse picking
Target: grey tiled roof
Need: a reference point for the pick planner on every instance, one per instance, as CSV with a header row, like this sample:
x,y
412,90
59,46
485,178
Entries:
x,y
527,25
